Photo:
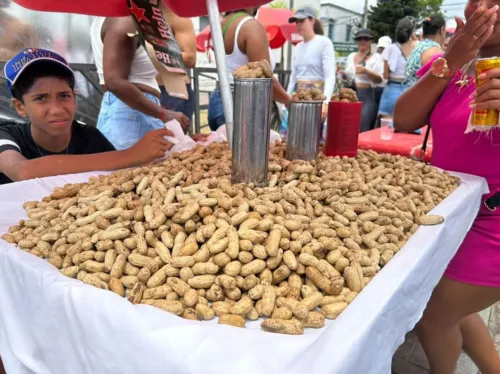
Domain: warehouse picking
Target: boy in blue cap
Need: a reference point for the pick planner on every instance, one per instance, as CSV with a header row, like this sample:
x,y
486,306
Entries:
x,y
42,86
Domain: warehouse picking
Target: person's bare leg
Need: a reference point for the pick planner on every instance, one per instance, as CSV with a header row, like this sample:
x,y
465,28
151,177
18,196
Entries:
x,y
478,344
441,343
439,329
2,369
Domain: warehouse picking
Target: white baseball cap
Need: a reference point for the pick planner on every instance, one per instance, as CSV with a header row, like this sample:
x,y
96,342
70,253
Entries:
x,y
384,42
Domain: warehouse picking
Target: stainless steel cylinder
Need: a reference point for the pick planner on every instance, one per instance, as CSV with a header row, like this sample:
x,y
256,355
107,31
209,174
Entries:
x,y
220,59
252,113
304,130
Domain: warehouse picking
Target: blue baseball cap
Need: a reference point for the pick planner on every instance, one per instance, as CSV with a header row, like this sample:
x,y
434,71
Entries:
x,y
16,65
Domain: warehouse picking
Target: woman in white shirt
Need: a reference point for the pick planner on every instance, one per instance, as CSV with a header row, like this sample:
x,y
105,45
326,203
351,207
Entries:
x,y
395,60
314,58
367,69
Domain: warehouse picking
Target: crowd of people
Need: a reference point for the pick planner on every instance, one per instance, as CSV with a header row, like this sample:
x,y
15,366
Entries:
x,y
380,77
414,81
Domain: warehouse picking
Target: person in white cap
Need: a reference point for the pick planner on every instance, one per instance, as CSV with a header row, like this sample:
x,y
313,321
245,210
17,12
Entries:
x,y
383,43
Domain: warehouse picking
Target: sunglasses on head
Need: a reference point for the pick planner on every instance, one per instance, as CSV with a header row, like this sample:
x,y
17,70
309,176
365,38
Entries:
x,y
364,38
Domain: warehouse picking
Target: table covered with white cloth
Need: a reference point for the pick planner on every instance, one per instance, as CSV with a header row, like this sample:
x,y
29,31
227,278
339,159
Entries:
x,y
53,324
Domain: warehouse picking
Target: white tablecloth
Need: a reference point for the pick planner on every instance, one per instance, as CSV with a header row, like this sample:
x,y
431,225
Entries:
x,y
52,324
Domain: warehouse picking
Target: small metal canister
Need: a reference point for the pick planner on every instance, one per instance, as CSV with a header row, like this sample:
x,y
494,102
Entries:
x,y
304,130
252,114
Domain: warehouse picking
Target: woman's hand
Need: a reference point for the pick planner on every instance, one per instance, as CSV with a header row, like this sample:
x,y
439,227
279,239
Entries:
x,y
199,137
286,103
469,37
324,112
169,115
360,69
487,96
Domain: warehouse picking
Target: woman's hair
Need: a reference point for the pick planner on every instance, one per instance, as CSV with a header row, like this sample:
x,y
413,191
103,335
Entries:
x,y
404,29
432,25
318,27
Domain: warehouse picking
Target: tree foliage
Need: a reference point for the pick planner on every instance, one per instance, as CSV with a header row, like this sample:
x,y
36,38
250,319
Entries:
x,y
383,18
279,4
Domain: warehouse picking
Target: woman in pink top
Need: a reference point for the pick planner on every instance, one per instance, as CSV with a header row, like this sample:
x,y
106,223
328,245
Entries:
x,y
472,281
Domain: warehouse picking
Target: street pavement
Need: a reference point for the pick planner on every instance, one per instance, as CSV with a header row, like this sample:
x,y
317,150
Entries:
x,y
410,357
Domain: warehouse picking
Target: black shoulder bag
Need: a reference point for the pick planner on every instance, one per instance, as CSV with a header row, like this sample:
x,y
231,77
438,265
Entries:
x,y
423,149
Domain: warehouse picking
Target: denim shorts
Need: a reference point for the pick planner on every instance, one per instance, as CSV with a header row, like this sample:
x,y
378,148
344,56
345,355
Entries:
x,y
216,110
369,110
392,92
122,125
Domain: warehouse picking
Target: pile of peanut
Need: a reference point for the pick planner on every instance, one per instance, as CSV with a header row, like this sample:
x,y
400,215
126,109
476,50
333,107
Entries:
x,y
179,236
314,94
258,69
345,95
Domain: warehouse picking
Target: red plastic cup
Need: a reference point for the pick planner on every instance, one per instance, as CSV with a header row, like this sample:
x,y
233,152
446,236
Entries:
x,y
344,120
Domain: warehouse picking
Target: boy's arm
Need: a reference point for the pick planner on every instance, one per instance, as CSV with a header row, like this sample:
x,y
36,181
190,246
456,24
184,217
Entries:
x,y
16,167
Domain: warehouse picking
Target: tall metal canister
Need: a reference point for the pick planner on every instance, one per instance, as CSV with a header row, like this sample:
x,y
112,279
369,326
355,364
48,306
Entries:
x,y
252,113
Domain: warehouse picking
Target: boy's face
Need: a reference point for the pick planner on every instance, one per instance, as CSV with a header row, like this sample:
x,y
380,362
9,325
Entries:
x,y
50,104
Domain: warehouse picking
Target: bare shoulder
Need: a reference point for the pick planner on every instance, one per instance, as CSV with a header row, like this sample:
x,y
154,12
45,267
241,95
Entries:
x,y
252,27
253,23
429,53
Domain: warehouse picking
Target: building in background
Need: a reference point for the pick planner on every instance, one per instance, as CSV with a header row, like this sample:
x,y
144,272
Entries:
x,y
357,6
340,25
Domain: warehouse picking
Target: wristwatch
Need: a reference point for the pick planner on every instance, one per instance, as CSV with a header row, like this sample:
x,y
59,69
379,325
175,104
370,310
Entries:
x,y
440,69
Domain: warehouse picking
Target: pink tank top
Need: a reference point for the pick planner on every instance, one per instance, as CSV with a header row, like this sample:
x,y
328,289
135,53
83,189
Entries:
x,y
476,153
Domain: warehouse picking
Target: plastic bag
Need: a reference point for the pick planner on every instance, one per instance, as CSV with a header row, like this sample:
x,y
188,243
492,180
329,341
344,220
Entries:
x,y
284,123
481,113
218,136
221,136
181,141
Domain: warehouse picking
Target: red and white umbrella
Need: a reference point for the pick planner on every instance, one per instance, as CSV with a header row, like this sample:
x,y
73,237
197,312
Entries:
x,y
119,8
289,31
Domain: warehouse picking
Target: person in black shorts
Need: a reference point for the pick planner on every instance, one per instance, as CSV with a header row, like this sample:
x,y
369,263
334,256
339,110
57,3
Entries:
x,y
42,86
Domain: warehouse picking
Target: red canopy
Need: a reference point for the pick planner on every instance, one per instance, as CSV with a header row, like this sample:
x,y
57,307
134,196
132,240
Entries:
x,y
289,30
203,40
274,20
118,8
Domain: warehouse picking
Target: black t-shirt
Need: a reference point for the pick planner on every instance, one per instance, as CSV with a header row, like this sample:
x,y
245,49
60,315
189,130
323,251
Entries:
x,y
84,140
